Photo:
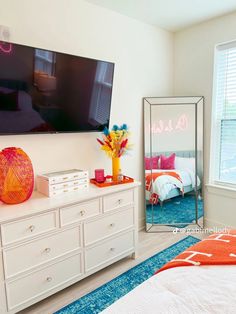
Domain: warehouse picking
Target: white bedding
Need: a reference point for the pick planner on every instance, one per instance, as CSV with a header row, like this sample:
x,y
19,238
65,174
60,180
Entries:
x,y
163,185
182,290
22,120
24,99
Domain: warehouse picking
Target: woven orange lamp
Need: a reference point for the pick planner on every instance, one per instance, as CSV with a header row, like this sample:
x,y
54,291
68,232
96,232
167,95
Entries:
x,y
16,176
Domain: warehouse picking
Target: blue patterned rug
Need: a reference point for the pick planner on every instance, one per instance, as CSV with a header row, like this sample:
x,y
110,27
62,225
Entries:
x,y
99,299
177,210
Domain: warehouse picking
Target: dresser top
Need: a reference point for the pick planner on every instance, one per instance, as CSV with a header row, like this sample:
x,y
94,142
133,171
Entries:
x,y
40,203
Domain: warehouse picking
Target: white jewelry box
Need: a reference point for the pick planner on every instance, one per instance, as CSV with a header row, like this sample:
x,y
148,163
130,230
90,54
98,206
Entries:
x,y
55,183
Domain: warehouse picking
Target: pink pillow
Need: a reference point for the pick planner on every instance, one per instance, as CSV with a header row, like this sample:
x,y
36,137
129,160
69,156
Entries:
x,y
168,163
151,163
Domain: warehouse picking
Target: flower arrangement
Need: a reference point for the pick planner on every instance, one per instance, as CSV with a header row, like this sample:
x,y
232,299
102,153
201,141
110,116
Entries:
x,y
115,142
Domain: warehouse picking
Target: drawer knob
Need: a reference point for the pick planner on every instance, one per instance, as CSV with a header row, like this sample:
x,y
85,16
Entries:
x,y
31,228
49,279
47,250
112,224
112,249
82,212
119,201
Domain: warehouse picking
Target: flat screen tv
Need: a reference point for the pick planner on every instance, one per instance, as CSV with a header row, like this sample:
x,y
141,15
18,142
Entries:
x,y
45,91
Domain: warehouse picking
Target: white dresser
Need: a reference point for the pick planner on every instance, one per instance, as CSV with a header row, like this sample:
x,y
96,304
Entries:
x,y
48,244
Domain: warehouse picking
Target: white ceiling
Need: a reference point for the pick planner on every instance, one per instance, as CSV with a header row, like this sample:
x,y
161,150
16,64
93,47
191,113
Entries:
x,y
172,15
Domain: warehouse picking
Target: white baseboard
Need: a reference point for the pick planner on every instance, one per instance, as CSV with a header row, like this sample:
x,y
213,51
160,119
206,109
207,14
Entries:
x,y
209,223
141,224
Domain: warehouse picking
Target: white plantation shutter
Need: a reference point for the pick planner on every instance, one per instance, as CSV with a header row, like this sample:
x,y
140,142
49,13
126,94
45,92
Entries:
x,y
45,61
101,95
224,124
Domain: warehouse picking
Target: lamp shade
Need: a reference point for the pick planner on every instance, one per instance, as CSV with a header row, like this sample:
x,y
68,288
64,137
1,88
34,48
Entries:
x,y
36,76
46,82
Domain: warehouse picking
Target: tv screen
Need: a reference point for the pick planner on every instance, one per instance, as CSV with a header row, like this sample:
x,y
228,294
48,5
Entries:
x,y
47,91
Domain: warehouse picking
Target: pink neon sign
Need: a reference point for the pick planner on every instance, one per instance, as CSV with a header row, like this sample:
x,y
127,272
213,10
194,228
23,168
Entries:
x,y
6,47
171,125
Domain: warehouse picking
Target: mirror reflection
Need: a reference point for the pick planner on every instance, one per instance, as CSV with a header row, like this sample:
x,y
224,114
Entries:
x,y
173,162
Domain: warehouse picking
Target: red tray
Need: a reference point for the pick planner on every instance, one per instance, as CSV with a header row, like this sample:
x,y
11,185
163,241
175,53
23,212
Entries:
x,y
106,184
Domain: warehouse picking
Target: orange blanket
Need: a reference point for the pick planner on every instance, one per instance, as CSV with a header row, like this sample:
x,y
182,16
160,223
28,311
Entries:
x,y
151,177
217,249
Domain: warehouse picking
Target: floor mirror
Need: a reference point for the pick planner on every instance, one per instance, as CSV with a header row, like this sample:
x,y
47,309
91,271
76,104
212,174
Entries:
x,y
173,163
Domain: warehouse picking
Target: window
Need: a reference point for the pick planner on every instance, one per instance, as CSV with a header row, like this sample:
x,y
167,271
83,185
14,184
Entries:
x,y
45,61
224,116
101,95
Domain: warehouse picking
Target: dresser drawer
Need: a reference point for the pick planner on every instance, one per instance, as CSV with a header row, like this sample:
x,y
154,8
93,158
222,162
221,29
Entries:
x,y
72,214
65,185
78,188
108,250
63,176
118,200
27,288
27,228
40,251
107,226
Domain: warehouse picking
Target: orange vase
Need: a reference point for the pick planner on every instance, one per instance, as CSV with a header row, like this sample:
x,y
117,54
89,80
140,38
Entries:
x,y
115,168
16,176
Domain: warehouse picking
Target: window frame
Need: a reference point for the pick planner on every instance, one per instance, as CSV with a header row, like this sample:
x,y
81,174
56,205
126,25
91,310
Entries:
x,y
42,55
216,129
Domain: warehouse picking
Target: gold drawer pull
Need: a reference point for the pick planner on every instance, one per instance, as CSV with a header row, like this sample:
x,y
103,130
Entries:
x,y
65,185
31,228
65,191
76,176
75,183
47,250
65,178
82,212
49,279
76,189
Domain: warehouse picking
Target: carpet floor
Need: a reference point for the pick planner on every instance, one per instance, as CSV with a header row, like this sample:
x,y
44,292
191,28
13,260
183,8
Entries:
x,y
177,210
99,299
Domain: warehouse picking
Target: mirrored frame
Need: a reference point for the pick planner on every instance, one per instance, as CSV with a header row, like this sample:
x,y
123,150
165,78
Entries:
x,y
197,104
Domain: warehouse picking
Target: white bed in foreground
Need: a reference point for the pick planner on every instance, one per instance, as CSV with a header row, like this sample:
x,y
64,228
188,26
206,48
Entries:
x,y
184,290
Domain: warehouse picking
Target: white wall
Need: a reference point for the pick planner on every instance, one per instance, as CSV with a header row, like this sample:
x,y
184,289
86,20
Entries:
x,y
143,57
193,75
167,134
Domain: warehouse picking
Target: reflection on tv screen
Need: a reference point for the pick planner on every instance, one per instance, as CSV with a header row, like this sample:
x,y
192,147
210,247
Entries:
x,y
46,91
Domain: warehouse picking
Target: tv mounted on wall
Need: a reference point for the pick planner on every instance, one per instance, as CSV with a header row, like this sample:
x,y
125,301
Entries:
x,y
45,91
